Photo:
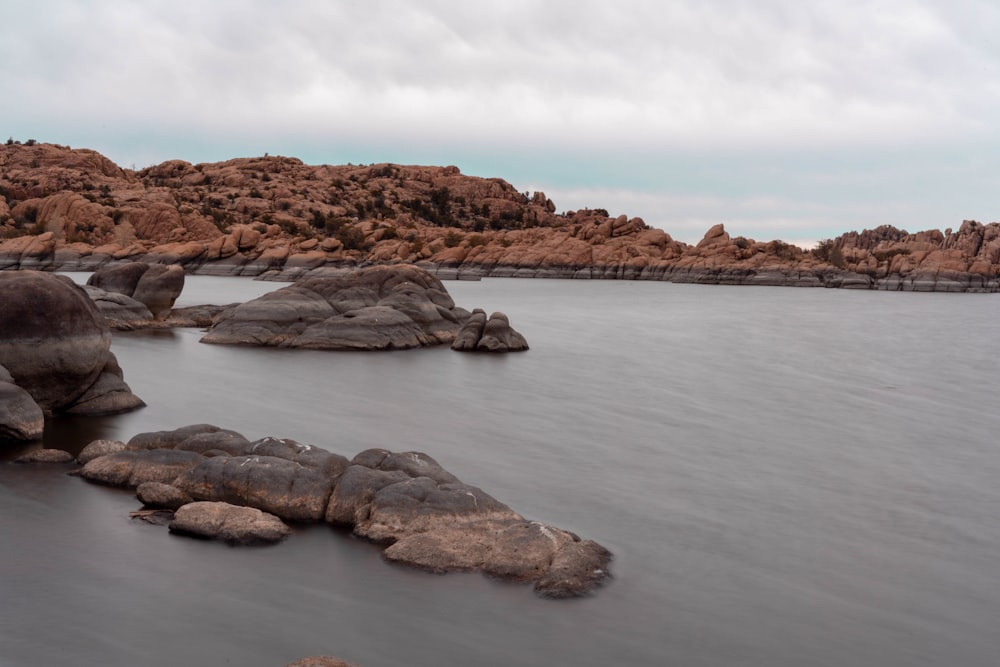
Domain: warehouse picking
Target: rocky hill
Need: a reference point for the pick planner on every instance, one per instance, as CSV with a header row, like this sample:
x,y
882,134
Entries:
x,y
74,209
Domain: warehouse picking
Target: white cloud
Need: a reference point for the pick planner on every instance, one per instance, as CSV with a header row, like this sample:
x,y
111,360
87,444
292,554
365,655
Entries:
x,y
586,82
633,73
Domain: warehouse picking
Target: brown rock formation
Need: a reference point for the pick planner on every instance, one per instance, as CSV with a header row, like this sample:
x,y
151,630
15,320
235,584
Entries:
x,y
75,210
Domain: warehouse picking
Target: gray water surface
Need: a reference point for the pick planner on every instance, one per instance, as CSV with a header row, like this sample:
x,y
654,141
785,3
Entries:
x,y
785,477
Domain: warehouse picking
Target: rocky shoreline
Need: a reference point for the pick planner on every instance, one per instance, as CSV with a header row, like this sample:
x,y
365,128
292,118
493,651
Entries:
x,y
277,218
295,268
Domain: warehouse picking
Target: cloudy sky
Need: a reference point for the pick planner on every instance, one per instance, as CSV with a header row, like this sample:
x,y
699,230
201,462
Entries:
x,y
790,119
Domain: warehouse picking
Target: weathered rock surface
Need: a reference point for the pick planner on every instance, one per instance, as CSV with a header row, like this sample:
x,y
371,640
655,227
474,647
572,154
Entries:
x,y
54,354
108,395
53,341
120,311
171,439
425,515
320,661
45,456
154,285
98,448
20,416
161,496
232,523
488,335
278,486
375,308
130,468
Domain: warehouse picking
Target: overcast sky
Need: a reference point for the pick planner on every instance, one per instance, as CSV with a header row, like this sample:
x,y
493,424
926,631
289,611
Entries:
x,y
790,119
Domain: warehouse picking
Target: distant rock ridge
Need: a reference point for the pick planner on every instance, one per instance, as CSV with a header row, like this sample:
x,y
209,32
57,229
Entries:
x,y
73,209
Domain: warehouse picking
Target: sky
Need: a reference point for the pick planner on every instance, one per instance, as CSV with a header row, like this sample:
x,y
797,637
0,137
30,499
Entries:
x,y
796,120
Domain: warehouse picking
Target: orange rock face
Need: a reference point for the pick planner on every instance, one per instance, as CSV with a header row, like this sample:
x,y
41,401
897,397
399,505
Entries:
x,y
75,209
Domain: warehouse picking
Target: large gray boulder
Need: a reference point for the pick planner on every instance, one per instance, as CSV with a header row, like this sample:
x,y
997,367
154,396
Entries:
x,y
374,308
156,286
54,347
53,341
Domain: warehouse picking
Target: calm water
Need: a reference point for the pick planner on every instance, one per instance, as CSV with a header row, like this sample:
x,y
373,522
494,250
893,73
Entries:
x,y
786,477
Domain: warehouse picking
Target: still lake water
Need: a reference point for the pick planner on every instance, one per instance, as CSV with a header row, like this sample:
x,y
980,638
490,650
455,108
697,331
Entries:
x,y
785,476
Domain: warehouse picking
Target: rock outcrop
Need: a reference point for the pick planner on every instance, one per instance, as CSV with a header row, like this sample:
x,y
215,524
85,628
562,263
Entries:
x,y
277,217
54,348
424,515
495,334
375,308
153,285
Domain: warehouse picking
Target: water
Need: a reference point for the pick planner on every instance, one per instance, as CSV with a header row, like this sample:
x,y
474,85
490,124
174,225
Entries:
x,y
785,477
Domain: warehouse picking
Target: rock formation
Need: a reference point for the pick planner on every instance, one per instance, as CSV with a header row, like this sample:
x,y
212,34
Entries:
x,y
275,216
426,517
55,351
233,523
375,308
320,661
488,335
153,285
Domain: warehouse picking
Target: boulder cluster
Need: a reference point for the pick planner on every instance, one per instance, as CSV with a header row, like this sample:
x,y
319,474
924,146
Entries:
x,y
75,210
55,355
215,483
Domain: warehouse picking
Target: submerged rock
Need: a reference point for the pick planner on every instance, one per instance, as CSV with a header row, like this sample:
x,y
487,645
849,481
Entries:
x,y
45,456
